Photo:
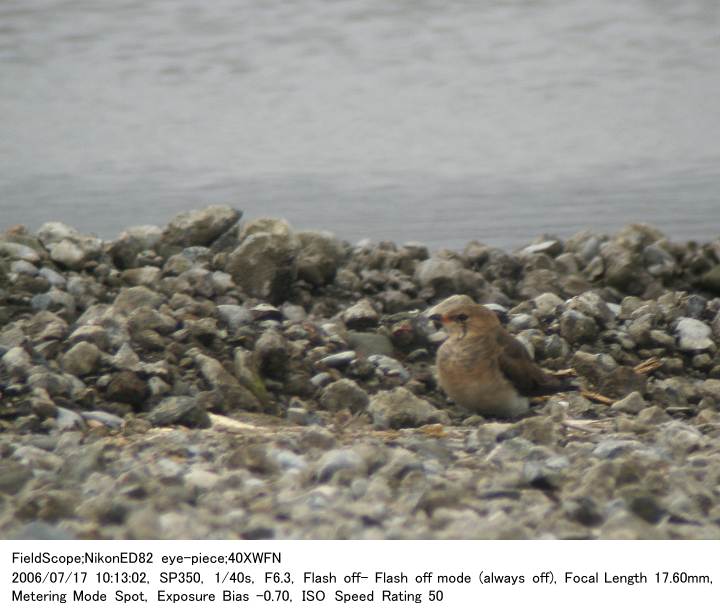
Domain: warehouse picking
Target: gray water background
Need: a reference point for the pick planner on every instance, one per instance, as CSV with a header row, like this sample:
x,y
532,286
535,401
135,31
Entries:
x,y
407,120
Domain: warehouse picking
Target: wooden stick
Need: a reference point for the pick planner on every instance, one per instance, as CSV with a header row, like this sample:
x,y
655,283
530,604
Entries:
x,y
648,366
596,397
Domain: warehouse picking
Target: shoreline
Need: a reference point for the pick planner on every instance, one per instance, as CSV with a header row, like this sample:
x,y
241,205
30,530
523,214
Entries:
x,y
222,378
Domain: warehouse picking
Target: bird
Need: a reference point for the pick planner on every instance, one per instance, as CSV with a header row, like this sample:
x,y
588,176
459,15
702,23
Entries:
x,y
484,368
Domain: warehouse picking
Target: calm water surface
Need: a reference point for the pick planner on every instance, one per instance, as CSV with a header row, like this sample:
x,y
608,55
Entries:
x,y
433,121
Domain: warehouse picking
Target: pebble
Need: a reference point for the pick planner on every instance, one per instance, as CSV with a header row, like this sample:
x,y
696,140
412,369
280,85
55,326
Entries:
x,y
81,359
344,394
181,410
400,408
23,267
389,367
361,315
338,460
16,251
338,360
632,404
13,476
694,335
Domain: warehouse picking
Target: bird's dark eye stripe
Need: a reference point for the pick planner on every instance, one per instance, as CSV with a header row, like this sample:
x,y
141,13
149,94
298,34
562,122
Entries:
x,y
461,318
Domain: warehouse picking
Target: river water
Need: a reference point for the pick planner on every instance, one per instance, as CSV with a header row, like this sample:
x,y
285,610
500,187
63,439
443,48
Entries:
x,y
407,120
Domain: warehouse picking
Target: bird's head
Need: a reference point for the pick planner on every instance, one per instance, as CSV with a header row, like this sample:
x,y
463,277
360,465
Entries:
x,y
460,315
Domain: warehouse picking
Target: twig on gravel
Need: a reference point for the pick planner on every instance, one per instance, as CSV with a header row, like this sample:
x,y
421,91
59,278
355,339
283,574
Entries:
x,y
649,365
596,397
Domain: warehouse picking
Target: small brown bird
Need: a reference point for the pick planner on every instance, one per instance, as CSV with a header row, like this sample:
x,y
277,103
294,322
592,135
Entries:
x,y
481,366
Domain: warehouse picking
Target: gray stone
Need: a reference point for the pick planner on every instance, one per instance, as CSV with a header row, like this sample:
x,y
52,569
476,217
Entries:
x,y
294,313
583,510
400,408
82,359
53,277
361,315
659,338
125,358
546,304
318,258
711,388
338,360
673,391
23,267
659,262
680,438
234,316
53,300
694,335
298,414
577,328
182,410
200,227
127,387
52,232
106,419
41,531
624,269
321,379
158,387
132,242
519,322
246,372
69,420
639,329
12,250
593,366
16,361
46,325
337,460
272,354
13,476
131,298
710,280
592,305
54,384
540,476
67,245
197,281
552,247
68,254
145,317
222,283
344,394
653,415
266,312
95,334
612,448
235,396
367,343
416,250
389,367
441,275
201,479
263,265
631,404
147,276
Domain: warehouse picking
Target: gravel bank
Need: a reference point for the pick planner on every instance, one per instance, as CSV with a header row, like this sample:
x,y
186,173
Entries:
x,y
218,378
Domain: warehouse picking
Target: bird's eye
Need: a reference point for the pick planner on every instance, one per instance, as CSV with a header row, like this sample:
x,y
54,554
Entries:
x,y
461,318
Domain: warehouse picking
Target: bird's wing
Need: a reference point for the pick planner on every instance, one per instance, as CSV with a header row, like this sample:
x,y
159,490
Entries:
x,y
518,367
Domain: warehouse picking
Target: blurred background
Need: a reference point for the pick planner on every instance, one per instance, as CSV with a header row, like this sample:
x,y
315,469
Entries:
x,y
421,120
